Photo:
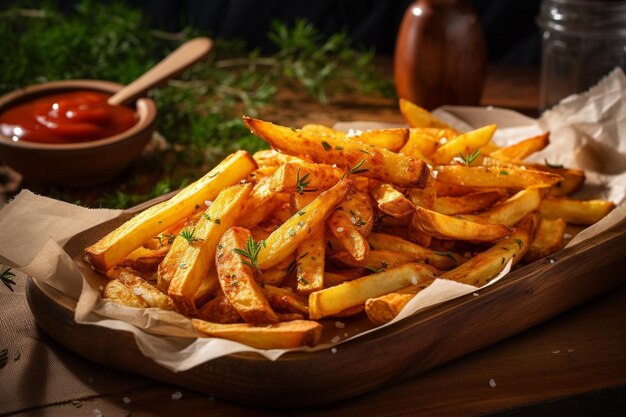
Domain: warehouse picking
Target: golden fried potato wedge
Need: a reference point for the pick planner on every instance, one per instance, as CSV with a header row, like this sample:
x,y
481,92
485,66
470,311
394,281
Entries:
x,y
467,203
583,212
310,261
346,232
285,335
448,227
219,310
261,203
277,274
510,211
142,288
483,267
390,139
169,265
522,149
352,156
121,294
440,260
284,299
237,276
115,246
333,300
383,309
376,260
201,241
272,158
464,144
495,177
389,200
286,238
146,260
207,289
304,177
417,116
548,239
324,130
420,198
423,142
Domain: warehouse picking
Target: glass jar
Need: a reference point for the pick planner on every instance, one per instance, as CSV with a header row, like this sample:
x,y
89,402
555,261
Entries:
x,y
582,42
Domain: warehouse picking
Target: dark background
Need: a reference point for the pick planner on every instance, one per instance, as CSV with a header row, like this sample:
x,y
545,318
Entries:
x,y
509,25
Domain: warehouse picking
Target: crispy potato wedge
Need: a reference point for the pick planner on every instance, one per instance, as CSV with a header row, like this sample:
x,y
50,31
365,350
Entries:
x,y
347,233
510,211
237,278
522,149
286,238
440,260
548,239
310,263
169,265
390,139
285,335
583,212
141,288
467,203
374,261
483,267
495,177
207,289
272,158
450,190
423,142
463,144
417,116
277,274
324,130
304,177
383,309
146,260
389,200
349,155
115,246
121,294
420,198
219,310
447,227
201,241
284,299
263,201
335,299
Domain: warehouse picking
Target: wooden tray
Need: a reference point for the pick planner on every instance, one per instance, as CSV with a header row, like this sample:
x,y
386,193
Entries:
x,y
524,298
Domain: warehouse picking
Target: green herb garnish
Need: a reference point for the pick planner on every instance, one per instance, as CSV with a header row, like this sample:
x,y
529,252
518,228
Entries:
x,y
326,146
469,158
251,252
6,275
552,165
519,243
188,235
504,173
383,266
446,254
356,169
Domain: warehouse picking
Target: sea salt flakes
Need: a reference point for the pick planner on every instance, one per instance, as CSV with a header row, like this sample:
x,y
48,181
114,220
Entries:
x,y
97,413
434,173
492,383
334,165
339,229
126,400
556,351
177,395
137,291
475,294
333,350
340,325
414,280
208,203
443,140
335,339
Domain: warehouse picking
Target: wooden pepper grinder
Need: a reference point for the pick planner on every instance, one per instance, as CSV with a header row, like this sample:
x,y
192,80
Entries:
x,y
440,54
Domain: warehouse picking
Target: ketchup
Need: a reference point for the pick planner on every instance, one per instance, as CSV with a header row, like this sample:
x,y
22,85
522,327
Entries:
x,y
70,117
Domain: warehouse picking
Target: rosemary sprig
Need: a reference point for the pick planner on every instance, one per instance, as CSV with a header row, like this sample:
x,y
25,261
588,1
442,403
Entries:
x,y
552,165
188,235
383,266
469,158
447,254
302,183
356,169
251,252
6,275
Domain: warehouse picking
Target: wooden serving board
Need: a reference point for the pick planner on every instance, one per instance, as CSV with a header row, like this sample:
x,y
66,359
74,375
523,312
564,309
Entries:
x,y
431,337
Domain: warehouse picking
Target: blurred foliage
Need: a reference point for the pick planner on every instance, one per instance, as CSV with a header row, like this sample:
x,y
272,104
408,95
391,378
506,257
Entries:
x,y
200,111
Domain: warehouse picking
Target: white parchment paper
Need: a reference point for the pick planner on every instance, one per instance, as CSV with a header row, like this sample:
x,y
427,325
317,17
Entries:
x,y
587,131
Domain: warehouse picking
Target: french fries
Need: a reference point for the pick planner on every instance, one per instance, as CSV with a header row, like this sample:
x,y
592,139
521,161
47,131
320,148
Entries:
x,y
340,225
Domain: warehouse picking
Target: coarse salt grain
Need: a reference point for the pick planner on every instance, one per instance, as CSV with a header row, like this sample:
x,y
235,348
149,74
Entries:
x,y
334,165
414,280
177,395
333,350
552,261
126,400
335,339
556,351
435,173
208,203
475,294
340,325
443,140
567,236
339,229
492,383
353,220
137,291
96,412
242,182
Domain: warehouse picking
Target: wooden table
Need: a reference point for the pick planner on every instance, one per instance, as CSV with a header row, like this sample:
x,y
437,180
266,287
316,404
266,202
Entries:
x,y
574,364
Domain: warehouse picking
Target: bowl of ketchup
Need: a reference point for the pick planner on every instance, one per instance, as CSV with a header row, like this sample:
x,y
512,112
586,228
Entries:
x,y
65,133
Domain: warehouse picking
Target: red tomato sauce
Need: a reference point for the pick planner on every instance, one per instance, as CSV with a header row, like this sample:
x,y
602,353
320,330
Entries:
x,y
70,117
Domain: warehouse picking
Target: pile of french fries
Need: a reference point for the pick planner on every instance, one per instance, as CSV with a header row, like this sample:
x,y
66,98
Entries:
x,y
331,224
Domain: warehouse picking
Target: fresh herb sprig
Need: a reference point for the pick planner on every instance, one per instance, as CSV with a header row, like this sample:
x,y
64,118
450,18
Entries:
x,y
468,158
188,235
356,169
302,183
251,252
7,276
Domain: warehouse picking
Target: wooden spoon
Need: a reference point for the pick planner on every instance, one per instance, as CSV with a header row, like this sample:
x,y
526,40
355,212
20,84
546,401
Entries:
x,y
183,57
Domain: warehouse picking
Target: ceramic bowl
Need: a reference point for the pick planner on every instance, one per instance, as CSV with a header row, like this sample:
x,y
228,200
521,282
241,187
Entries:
x,y
78,164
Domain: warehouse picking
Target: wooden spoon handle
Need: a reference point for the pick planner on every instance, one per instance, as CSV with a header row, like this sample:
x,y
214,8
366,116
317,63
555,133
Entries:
x,y
183,57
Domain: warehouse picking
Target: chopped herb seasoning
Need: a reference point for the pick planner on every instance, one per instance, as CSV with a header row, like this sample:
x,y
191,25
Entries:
x,y
302,183
217,221
214,175
303,281
291,232
301,213
469,158
326,146
251,252
364,151
447,254
519,243
188,235
504,173
339,148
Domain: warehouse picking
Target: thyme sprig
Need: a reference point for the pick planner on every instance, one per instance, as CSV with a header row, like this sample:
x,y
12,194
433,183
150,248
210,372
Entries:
x,y
383,267
468,158
6,275
251,252
302,183
188,234
356,169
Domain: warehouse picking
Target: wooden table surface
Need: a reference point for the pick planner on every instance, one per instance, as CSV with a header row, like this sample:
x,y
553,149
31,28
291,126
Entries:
x,y
574,364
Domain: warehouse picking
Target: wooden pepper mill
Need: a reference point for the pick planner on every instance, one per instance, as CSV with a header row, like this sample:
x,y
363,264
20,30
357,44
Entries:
x,y
440,54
